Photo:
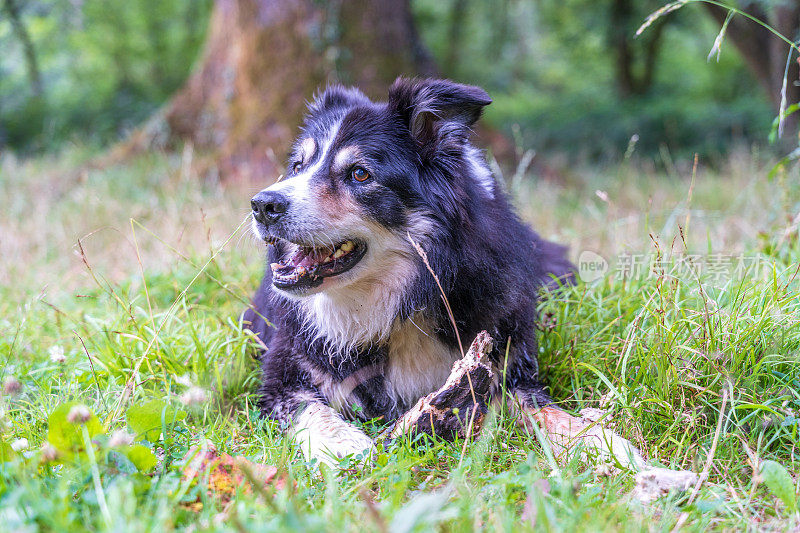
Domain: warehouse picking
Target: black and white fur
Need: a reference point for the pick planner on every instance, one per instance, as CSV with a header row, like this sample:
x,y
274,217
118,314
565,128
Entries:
x,y
371,340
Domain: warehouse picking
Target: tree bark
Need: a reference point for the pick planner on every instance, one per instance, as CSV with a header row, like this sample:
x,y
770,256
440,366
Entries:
x,y
620,41
11,7
764,53
630,51
264,59
458,12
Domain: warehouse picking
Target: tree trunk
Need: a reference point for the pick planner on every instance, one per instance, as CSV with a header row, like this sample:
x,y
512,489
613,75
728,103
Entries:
x,y
631,51
452,61
765,54
12,9
265,58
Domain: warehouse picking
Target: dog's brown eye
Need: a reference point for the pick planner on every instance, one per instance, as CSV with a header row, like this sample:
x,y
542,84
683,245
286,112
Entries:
x,y
359,174
296,167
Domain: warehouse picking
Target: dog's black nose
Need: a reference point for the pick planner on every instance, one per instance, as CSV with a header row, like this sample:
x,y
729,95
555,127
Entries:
x,y
268,206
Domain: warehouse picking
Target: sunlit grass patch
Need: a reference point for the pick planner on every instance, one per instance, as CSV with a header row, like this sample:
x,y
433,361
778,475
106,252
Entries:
x,y
150,314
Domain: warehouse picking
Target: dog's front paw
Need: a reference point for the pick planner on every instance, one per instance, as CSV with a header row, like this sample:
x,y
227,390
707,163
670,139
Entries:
x,y
330,449
324,436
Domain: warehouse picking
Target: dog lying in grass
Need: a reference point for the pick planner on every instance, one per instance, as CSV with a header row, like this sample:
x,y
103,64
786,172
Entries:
x,y
390,244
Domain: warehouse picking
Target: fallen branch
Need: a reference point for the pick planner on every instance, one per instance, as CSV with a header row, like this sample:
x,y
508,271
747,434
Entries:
x,y
458,408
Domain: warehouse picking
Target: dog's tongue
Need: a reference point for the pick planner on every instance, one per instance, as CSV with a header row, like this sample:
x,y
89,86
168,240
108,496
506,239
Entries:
x,y
309,257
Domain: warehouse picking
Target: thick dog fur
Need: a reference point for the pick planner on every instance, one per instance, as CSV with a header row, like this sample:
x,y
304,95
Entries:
x,y
372,340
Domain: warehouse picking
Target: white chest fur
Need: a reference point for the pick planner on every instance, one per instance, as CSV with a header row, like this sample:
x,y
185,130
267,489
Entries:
x,y
418,363
362,312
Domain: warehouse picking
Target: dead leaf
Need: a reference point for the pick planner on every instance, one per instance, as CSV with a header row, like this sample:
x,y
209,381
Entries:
x,y
226,473
194,507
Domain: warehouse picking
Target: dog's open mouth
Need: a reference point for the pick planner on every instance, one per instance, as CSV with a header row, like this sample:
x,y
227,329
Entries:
x,y
307,267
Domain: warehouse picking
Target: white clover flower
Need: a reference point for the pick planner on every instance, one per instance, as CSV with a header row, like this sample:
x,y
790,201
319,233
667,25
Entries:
x,y
120,438
49,453
57,354
20,445
79,414
184,380
194,396
11,386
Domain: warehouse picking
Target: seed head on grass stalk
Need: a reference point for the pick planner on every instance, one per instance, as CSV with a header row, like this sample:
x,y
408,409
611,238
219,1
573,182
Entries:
x,y
658,13
793,46
716,49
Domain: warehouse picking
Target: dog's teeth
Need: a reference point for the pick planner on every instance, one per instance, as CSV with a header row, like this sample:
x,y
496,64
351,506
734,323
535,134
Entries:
x,y
339,253
327,259
274,266
348,246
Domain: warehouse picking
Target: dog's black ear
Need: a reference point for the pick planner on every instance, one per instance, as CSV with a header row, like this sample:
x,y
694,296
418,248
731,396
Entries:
x,y
433,108
336,96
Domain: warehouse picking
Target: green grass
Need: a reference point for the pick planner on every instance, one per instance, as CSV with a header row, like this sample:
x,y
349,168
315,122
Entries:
x,y
149,309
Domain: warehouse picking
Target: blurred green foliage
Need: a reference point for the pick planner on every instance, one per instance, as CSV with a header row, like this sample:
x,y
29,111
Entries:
x,y
551,66
105,66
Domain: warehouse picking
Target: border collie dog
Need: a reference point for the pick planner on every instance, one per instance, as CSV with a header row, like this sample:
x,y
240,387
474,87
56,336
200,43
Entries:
x,y
351,319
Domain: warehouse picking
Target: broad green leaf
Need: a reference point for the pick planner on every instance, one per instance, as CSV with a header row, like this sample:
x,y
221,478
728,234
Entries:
x,y
121,461
141,457
780,483
7,453
145,419
66,436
